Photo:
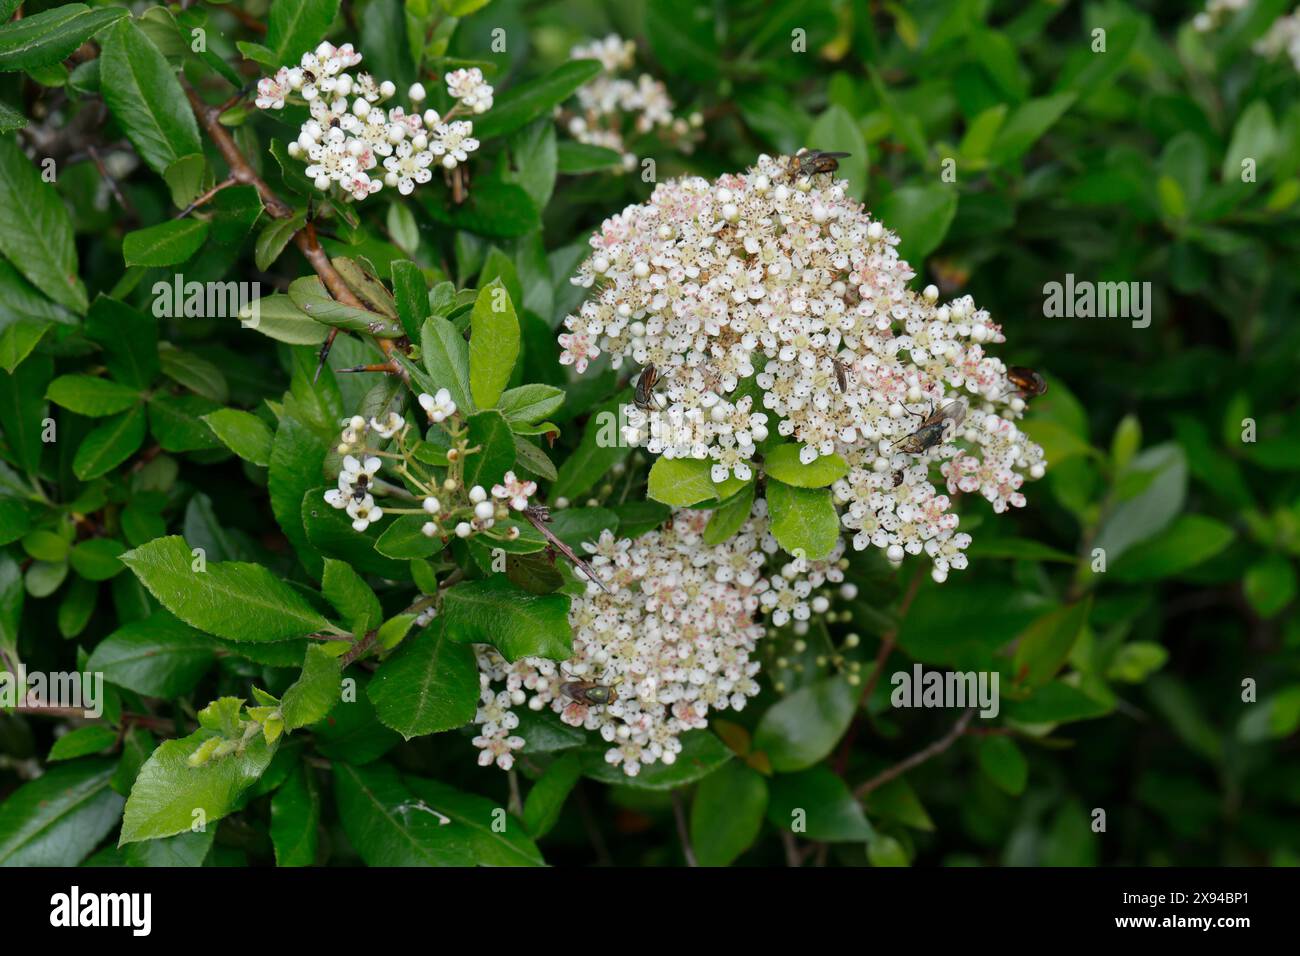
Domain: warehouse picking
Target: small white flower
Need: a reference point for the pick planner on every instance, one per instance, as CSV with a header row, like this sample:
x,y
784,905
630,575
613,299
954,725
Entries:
x,y
438,407
390,426
364,512
515,491
469,87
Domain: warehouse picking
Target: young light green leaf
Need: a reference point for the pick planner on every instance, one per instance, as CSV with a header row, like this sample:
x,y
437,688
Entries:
x,y
783,464
803,519
169,790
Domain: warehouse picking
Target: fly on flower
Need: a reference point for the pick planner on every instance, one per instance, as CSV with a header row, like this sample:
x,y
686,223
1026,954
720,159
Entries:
x,y
1027,381
841,375
644,397
590,692
810,162
932,428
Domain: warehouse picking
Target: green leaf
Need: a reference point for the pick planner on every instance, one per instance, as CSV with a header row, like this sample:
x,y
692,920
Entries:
x,y
445,354
579,159
529,404
1055,703
681,482
493,343
429,685
404,539
146,99
702,753
836,131
157,656
110,444
35,230
49,37
197,374
1189,541
411,292
297,26
58,818
820,804
309,295
275,235
83,742
177,422
168,790
165,244
23,410
396,822
1043,647
727,813
231,599
297,464
783,464
351,597
522,104
183,850
1270,585
921,215
1254,137
313,695
96,559
802,728
295,818
684,37
489,432
92,396
12,595
546,798
11,119
243,433
1005,765
1163,470
129,339
600,449
1027,125
730,516
276,317
803,520
515,622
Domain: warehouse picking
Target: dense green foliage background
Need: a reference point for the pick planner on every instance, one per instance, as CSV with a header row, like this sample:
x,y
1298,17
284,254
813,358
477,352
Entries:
x,y
1175,448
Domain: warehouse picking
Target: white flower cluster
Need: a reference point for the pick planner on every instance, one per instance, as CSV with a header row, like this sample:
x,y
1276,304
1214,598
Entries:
x,y
1282,37
345,141
604,103
779,276
673,638
1216,12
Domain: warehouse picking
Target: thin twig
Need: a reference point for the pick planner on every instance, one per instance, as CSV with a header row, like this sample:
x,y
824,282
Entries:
x,y
683,833
206,196
918,758
887,643
112,183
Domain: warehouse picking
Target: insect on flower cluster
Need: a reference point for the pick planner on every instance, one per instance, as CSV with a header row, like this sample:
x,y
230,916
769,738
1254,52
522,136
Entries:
x,y
605,104
668,640
354,142
777,278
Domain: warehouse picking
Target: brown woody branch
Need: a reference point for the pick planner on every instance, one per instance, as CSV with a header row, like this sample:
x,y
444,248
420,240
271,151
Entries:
x,y
241,171
918,758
